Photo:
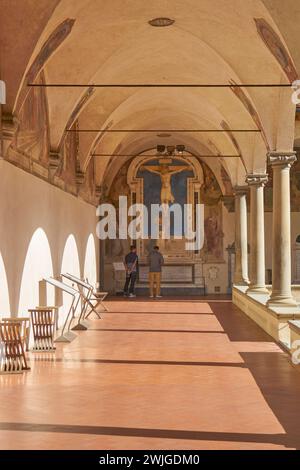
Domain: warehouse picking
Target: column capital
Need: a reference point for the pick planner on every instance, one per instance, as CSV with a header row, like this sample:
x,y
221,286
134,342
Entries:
x,y
256,179
240,190
284,159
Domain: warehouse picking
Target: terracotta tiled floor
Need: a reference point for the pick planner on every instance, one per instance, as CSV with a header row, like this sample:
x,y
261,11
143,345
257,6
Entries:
x,y
169,374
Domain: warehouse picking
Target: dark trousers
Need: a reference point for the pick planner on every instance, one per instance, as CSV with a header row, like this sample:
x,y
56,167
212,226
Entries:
x,y
130,281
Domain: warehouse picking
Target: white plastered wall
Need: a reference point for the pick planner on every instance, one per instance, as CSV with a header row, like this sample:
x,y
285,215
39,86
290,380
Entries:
x,y
27,204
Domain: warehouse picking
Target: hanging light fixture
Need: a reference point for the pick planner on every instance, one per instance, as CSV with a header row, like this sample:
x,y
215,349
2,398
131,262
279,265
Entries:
x,y
170,150
180,149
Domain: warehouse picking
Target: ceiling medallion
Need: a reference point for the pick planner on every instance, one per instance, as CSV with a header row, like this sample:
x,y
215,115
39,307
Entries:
x,y
161,22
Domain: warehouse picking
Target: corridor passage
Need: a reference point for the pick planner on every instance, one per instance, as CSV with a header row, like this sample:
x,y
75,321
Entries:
x,y
168,374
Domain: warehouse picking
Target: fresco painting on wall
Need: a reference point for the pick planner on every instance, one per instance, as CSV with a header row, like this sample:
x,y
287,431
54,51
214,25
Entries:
x,y
234,141
116,249
240,94
165,181
211,198
268,191
276,47
55,39
213,244
31,138
87,188
210,190
67,168
226,181
295,186
83,101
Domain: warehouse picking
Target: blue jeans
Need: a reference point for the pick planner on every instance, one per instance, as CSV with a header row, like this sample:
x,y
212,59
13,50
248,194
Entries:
x,y
129,283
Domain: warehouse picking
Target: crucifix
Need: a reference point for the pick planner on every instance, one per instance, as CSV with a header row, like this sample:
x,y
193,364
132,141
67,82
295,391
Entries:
x,y
165,171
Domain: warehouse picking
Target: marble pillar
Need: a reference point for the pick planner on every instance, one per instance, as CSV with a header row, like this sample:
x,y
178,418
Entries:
x,y
281,249
256,183
241,237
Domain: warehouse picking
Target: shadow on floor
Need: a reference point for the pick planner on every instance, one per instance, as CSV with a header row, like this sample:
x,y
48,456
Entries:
x,y
136,330
279,439
143,362
277,379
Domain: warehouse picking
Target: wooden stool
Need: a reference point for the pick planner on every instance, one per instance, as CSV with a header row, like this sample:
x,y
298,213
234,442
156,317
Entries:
x,y
52,307
43,327
12,355
24,329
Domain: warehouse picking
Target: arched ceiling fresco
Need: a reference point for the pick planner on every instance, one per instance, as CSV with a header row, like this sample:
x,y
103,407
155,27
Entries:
x,y
209,42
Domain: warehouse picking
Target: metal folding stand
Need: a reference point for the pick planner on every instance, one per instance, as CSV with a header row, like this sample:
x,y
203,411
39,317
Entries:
x,y
98,298
66,335
94,296
85,291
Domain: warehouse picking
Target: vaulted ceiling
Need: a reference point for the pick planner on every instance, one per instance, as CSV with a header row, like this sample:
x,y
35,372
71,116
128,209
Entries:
x,y
210,42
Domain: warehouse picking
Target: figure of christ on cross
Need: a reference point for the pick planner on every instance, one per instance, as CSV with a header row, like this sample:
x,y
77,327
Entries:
x,y
165,171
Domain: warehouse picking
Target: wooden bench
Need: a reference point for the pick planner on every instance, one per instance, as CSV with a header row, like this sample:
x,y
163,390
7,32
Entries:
x,y
12,355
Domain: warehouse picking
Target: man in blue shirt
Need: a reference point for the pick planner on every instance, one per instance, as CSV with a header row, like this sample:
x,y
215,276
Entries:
x,y
131,267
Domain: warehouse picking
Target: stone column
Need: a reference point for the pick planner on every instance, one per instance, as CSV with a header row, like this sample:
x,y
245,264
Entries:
x,y
281,250
241,237
256,183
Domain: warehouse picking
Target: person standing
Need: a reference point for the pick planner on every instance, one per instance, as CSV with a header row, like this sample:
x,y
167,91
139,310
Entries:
x,y
131,268
156,261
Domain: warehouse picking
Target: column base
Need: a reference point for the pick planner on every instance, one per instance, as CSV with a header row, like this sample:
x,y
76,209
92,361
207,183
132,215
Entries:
x,y
282,301
257,290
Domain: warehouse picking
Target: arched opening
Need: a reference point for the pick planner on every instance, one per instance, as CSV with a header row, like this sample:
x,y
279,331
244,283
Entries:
x,y
37,266
70,264
4,293
90,263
